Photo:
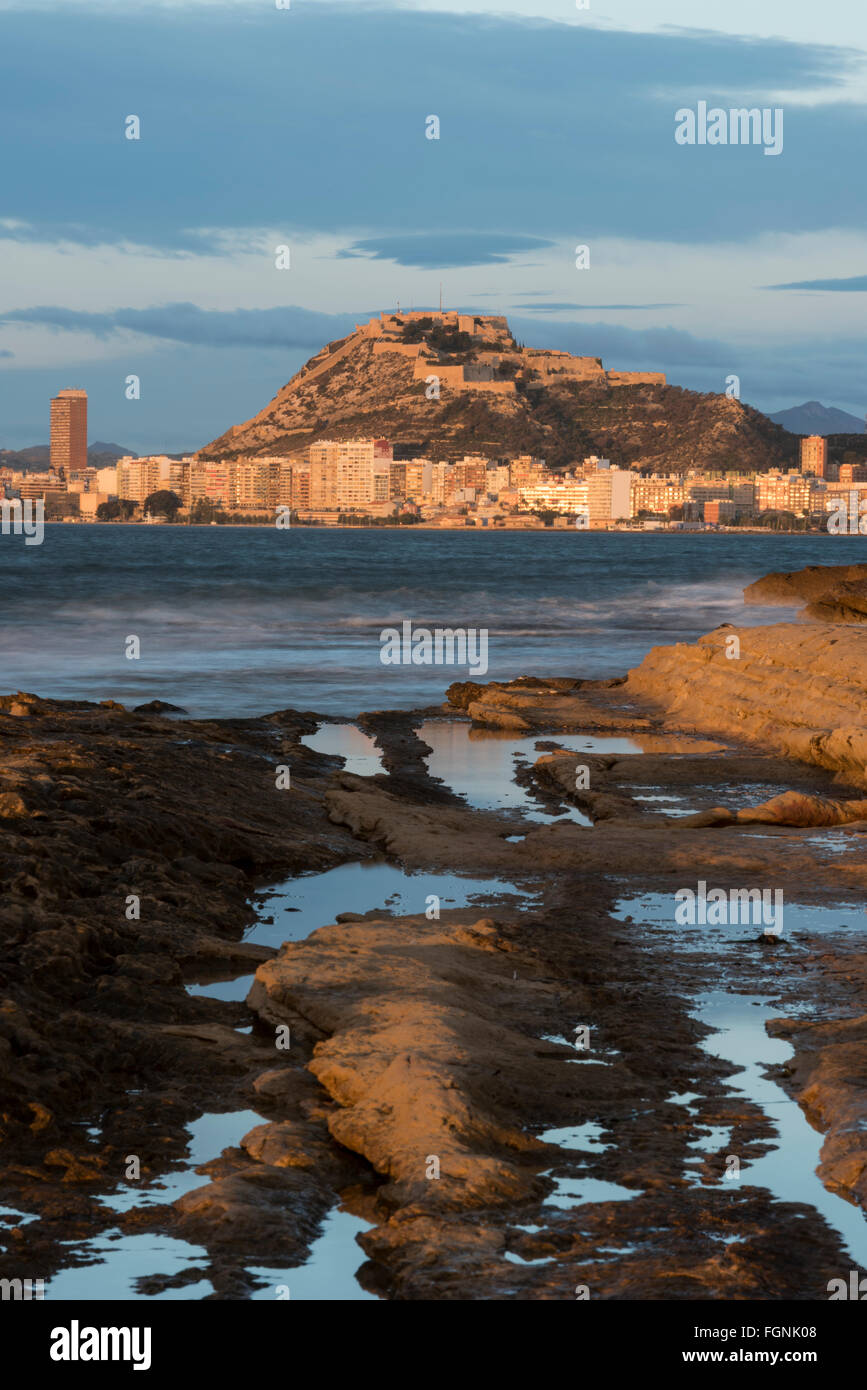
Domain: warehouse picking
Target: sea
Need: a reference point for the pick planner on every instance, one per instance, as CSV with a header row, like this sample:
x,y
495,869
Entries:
x,y
241,621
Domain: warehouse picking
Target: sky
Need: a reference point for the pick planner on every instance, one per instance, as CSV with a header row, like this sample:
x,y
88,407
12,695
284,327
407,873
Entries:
x,y
306,127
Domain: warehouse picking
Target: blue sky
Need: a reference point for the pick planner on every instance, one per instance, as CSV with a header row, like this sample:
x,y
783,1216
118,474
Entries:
x,y
306,127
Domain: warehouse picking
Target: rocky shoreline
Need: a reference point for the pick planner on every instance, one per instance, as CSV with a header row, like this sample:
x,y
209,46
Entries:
x,y
431,1060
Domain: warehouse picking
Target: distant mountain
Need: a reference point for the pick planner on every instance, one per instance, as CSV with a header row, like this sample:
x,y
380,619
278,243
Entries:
x,y
814,418
37,458
443,385
117,451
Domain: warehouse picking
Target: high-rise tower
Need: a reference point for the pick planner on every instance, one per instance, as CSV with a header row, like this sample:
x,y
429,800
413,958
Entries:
x,y
69,430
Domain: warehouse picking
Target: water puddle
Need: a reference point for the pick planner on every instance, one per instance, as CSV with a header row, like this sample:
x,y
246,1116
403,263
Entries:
x,y
209,1135
121,1260
292,910
358,749
235,989
789,1169
330,1273
579,1192
835,841
573,1191
798,919
480,765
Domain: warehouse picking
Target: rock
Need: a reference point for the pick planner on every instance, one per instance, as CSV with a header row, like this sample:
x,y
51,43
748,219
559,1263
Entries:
x,y
416,1043
279,1081
158,707
795,688
810,583
12,806
794,808
845,603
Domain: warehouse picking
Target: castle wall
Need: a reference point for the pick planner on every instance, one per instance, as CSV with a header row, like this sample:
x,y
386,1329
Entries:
x,y
636,378
405,349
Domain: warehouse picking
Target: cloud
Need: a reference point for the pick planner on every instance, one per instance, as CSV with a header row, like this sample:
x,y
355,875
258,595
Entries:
x,y
294,328
4,352
546,308
288,327
653,348
277,114
445,249
852,283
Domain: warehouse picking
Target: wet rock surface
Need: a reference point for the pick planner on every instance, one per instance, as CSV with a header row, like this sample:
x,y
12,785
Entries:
x,y
431,1072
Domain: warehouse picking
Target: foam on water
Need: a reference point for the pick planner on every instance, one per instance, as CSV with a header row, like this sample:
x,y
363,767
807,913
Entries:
x,y
241,621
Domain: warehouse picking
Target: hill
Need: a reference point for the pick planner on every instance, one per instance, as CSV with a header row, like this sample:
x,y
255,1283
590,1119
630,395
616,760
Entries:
x,y
447,384
814,418
38,456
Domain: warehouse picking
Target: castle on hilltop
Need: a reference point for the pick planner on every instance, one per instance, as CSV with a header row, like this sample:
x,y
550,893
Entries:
x,y
492,345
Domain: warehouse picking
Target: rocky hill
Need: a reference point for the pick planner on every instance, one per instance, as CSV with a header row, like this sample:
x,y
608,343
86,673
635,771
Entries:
x,y
443,385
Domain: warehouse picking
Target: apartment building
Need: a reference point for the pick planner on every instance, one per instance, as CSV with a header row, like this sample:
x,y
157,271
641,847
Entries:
x,y
609,495
789,492
472,471
210,481
135,479
569,495
814,455
656,495
526,470
251,484
442,482
349,473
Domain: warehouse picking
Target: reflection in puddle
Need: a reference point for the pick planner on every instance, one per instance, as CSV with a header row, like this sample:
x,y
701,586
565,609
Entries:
x,y
209,1135
835,841
789,1169
480,765
300,905
235,989
122,1260
575,1192
658,910
330,1273
586,1136
357,748
578,1192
